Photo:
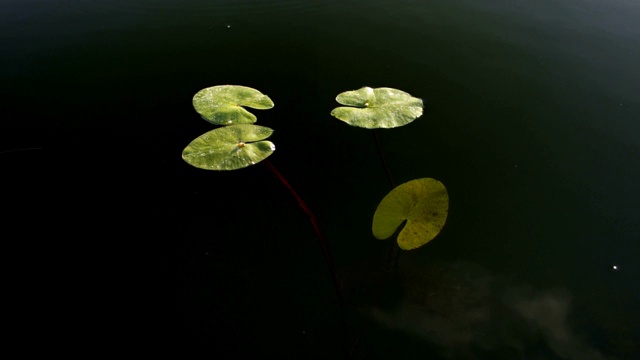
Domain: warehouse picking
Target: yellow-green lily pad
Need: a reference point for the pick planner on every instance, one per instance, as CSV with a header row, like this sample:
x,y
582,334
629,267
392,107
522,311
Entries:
x,y
223,104
377,108
423,203
230,147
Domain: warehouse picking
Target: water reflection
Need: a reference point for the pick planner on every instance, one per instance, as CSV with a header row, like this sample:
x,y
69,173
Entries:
x,y
469,312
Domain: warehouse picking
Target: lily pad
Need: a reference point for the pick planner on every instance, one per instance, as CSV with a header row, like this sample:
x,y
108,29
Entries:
x,y
377,108
423,203
223,104
229,147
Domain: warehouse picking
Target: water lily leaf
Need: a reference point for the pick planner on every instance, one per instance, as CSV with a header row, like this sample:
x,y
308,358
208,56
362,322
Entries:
x,y
377,108
223,104
423,203
229,147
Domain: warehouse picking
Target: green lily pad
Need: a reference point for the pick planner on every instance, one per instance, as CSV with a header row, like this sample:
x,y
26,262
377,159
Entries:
x,y
423,203
377,108
229,147
223,104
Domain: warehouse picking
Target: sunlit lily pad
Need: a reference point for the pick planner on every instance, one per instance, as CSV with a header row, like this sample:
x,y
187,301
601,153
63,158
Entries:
x,y
223,104
423,203
377,108
229,147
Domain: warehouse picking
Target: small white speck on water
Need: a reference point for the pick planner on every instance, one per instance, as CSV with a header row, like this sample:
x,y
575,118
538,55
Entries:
x,y
614,267
228,26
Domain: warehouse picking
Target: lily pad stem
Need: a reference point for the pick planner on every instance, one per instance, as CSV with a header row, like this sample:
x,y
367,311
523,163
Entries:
x,y
384,162
392,257
323,243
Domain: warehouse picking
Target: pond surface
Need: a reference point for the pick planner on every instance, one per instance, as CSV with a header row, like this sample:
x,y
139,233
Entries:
x,y
531,121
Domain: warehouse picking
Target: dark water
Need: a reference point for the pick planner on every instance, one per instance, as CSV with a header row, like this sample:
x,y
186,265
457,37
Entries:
x,y
112,242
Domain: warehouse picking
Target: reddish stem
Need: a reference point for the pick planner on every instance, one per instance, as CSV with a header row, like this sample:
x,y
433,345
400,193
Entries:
x,y
314,222
323,243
